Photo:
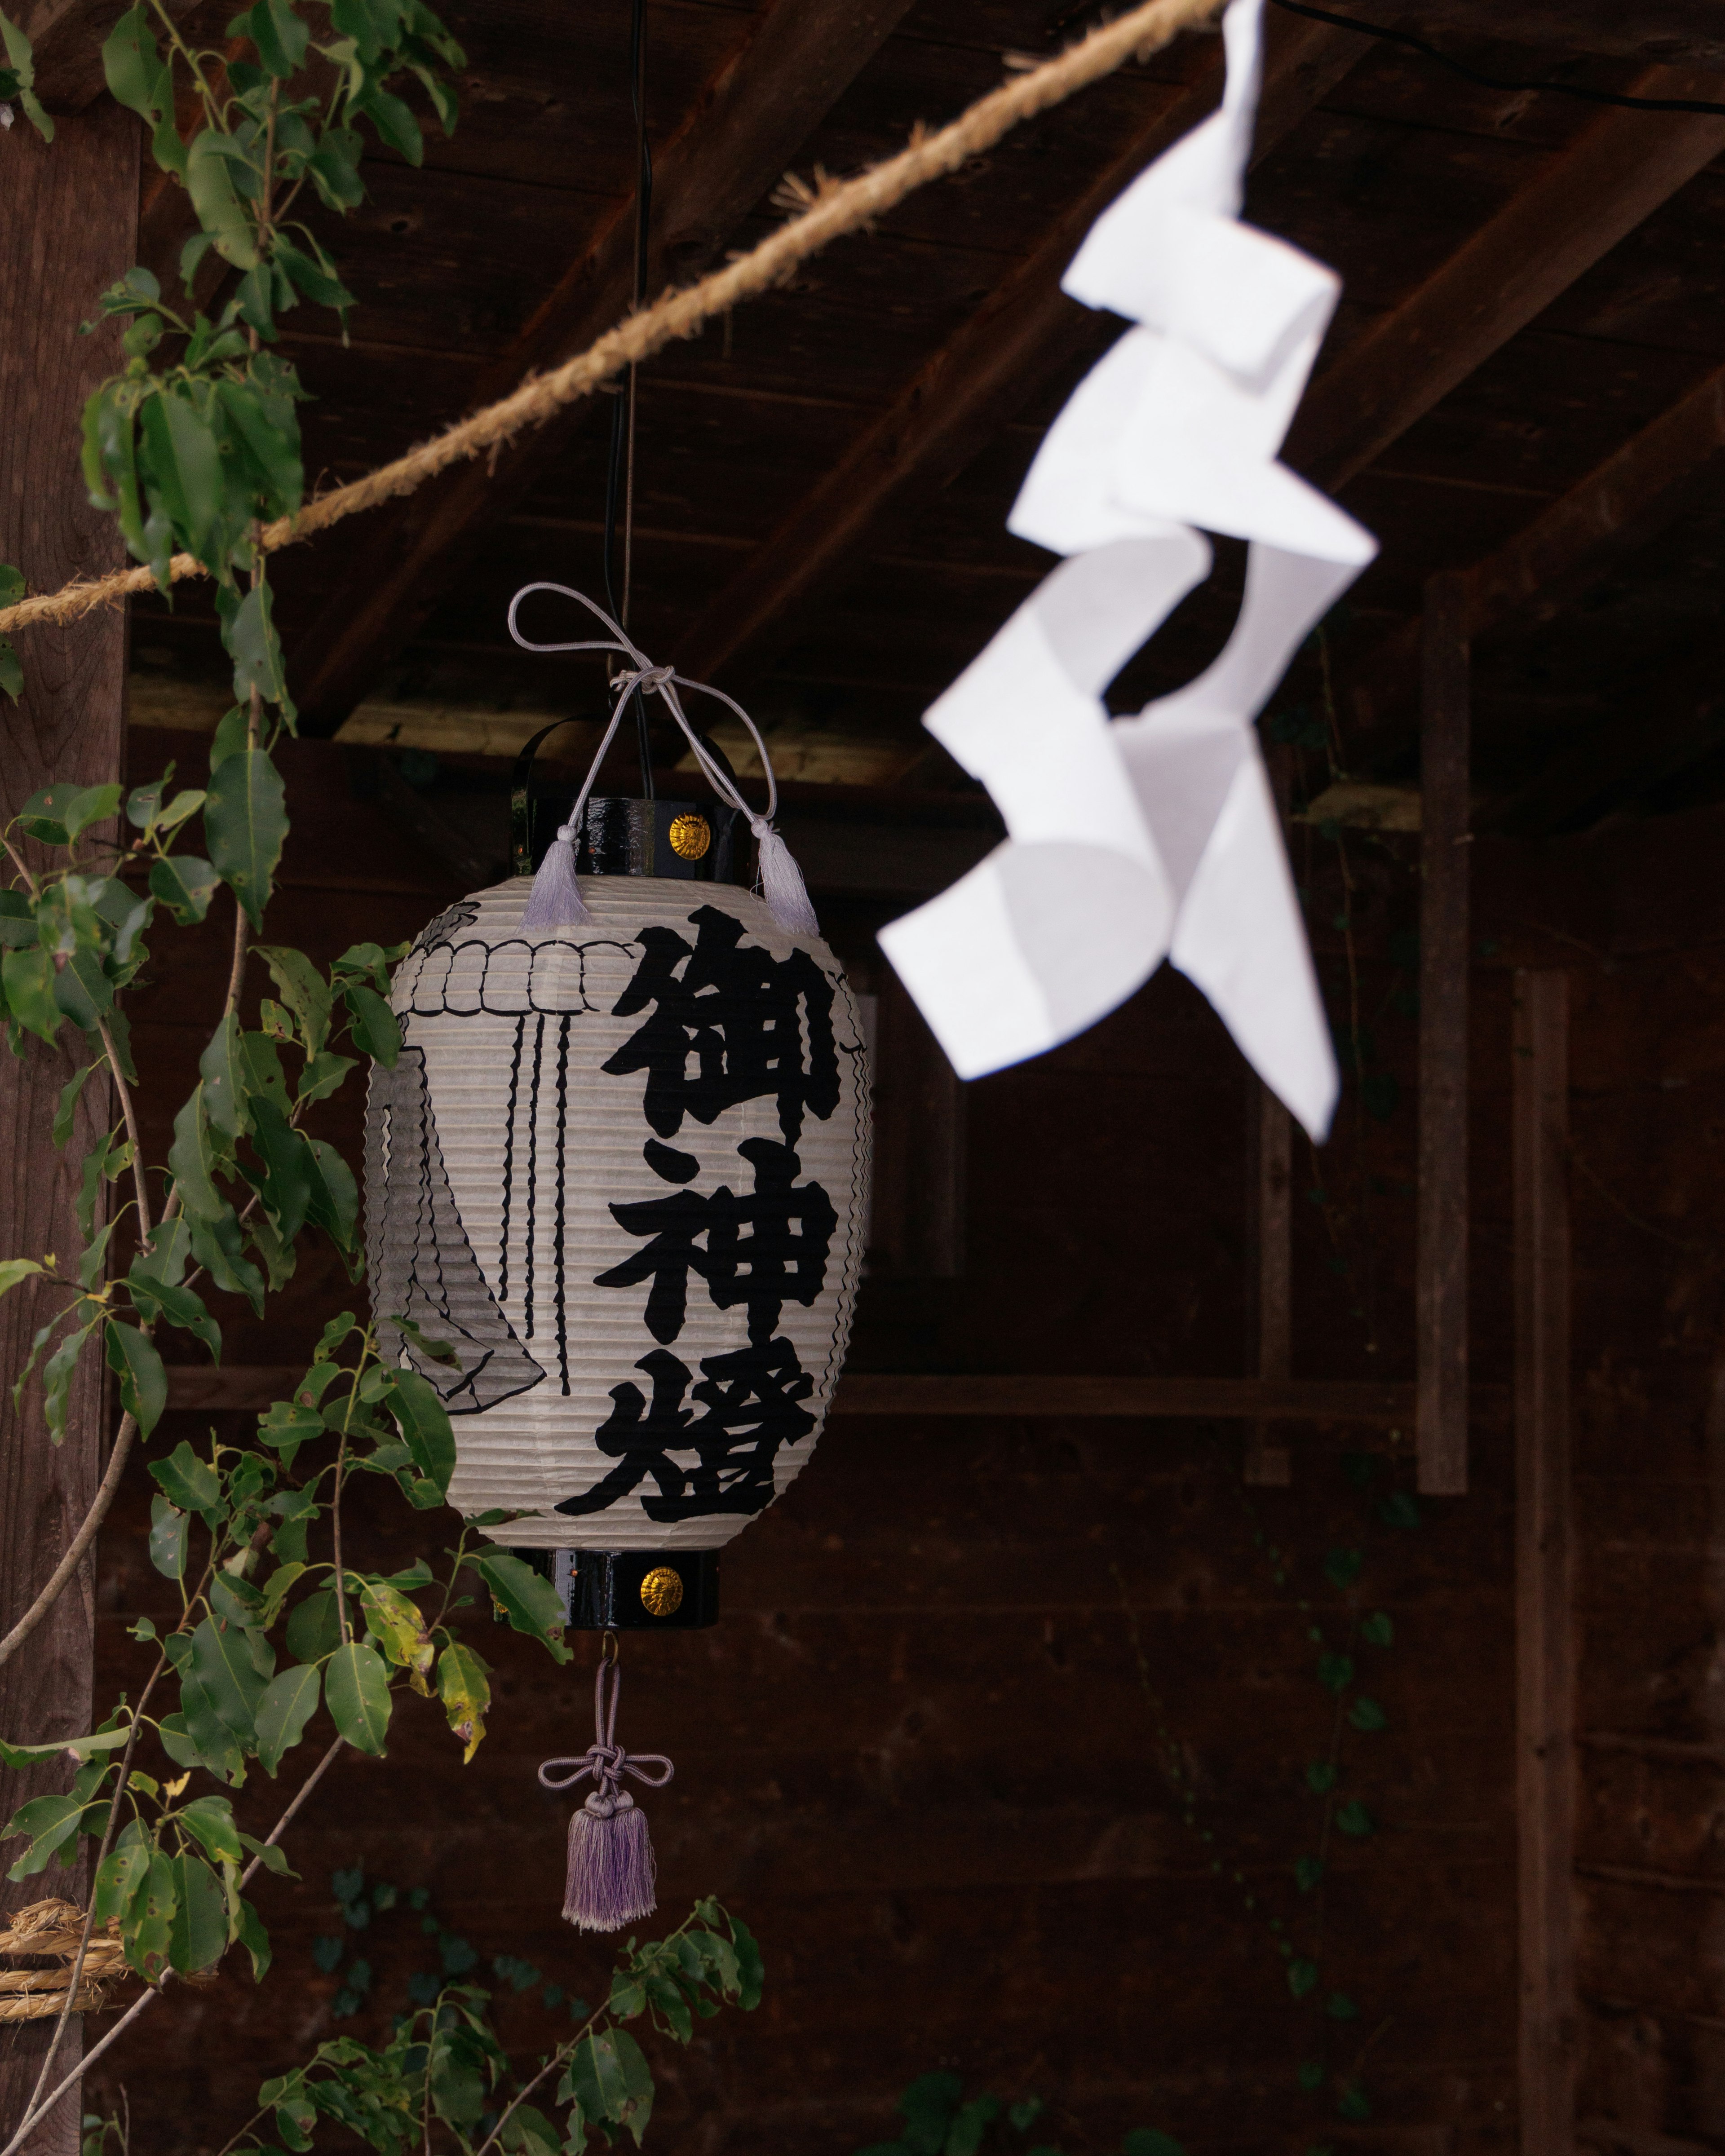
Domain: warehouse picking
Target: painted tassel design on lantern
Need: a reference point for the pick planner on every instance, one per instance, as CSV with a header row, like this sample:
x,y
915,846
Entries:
x,y
613,1880
1154,836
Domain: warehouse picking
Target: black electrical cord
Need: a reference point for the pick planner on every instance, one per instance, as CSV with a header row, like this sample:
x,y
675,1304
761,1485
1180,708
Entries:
x,y
1497,82
620,461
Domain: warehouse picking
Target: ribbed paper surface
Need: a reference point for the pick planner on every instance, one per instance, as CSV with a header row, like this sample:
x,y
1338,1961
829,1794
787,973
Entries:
x,y
498,1147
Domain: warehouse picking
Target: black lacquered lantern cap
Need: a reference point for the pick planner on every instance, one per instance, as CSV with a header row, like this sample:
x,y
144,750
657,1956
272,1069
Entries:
x,y
683,841
633,1590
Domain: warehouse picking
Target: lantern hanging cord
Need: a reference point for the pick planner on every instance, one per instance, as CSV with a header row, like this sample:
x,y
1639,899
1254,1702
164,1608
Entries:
x,y
839,207
620,463
605,1758
647,679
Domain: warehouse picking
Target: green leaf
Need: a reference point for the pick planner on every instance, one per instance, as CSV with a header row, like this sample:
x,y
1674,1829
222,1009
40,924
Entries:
x,y
525,1597
66,1114
167,1539
1145,2141
219,208
14,1270
321,1077
1022,2117
303,988
1335,1672
218,1247
20,1756
251,638
185,886
244,824
210,1820
1341,1567
1308,1872
530,2132
357,1691
57,1375
285,1184
1341,2008
1352,1818
424,1425
289,1703
233,735
1400,1510
1320,1776
464,1689
191,1162
124,1871
143,1382
610,2079
180,461
313,1628
1353,2102
1311,2074
1378,1631
277,32
188,1481
221,1663
51,1822
148,1928
372,1025
93,804
1302,1977
136,72
29,979
253,1937
222,1069
1366,1715
158,1299
751,1969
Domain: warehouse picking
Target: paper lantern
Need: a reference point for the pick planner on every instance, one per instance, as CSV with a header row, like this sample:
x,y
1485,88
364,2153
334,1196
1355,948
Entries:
x,y
620,1168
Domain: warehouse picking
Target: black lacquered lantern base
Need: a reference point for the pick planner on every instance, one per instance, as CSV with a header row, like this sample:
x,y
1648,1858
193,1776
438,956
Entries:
x,y
633,1590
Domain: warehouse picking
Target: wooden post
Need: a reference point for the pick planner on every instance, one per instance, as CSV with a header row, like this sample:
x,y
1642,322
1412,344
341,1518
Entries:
x,y
1441,1265
69,230
1545,1676
1268,1464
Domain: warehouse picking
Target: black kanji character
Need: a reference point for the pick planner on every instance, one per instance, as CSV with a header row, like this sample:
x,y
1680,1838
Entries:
x,y
751,1396
740,1016
763,1249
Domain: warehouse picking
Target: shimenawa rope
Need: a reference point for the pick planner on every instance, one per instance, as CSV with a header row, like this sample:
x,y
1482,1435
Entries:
x,y
839,207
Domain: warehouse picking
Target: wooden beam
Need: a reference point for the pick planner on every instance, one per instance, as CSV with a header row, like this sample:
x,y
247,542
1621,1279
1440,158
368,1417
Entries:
x,y
70,226
1545,1673
1652,737
203,1390
1026,332
1269,1465
730,146
1576,209
1672,465
1441,1276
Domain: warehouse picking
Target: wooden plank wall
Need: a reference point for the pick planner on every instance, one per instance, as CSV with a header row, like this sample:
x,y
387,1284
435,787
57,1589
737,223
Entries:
x,y
924,1753
69,230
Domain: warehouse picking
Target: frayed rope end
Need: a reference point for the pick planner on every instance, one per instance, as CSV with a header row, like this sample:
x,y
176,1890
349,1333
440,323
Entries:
x,y
555,901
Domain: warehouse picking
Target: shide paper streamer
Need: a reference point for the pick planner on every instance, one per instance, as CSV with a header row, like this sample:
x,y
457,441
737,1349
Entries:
x,y
1156,836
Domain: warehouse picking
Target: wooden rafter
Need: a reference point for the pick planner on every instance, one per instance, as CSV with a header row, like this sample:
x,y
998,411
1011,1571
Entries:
x,y
1617,172
1658,474
1024,335
746,125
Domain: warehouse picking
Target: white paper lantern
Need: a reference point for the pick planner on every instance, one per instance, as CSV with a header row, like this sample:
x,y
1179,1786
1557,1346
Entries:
x,y
622,1170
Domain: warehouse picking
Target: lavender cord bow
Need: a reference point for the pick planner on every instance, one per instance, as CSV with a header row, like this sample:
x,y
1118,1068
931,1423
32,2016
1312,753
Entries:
x,y
605,1759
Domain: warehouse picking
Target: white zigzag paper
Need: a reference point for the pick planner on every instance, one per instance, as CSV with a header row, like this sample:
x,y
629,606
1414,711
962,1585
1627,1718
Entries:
x,y
1156,836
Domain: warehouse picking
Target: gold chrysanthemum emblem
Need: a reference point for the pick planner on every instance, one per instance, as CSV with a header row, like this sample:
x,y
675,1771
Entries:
x,y
662,1589
691,835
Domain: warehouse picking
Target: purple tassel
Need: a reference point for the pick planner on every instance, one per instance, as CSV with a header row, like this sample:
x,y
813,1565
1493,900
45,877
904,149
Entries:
x,y
613,1879
555,901
781,884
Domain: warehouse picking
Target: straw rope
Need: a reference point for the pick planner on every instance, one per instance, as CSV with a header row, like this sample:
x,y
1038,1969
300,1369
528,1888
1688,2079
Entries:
x,y
838,206
45,1929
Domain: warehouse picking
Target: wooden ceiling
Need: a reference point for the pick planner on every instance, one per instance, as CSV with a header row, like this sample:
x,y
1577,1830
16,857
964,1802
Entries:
x,y
1526,378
